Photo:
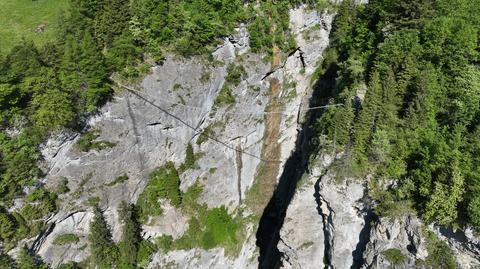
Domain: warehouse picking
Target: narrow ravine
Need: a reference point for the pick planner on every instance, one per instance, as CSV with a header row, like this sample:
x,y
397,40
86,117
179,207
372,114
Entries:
x,y
268,233
324,210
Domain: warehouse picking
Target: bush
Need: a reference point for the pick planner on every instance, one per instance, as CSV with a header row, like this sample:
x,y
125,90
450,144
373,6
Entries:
x,y
225,97
440,255
189,156
87,142
145,250
70,265
394,256
118,180
220,229
62,186
104,252
163,182
189,198
28,260
65,239
211,228
164,242
235,74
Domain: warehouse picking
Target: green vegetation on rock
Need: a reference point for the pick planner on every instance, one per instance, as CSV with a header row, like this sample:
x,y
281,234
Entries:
x,y
394,256
440,255
103,251
28,260
131,238
118,180
209,228
87,141
235,74
163,183
65,239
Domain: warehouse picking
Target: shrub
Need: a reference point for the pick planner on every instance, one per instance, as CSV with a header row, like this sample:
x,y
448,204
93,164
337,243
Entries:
x,y
235,74
211,228
394,256
129,243
62,186
145,250
189,159
118,180
87,142
163,182
93,201
189,198
65,239
27,260
189,156
164,242
220,228
225,97
70,265
440,255
205,77
104,252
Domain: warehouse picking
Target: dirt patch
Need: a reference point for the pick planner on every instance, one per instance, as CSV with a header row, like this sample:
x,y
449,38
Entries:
x,y
267,171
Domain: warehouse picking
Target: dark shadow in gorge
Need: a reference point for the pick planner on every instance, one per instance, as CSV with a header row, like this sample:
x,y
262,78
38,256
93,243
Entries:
x,y
272,219
369,216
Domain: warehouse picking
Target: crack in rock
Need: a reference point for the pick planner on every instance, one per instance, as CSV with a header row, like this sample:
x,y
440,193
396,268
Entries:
x,y
278,67
327,214
40,239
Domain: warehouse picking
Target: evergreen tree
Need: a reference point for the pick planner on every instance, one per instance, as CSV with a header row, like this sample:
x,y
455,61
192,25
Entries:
x,y
113,21
53,107
89,8
102,249
6,261
371,109
69,69
93,74
128,245
27,260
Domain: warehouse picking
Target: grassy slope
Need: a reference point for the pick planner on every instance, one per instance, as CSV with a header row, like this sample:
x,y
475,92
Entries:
x,y
20,18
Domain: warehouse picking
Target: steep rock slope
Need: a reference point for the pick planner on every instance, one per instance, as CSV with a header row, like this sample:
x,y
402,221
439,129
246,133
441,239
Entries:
x,y
154,122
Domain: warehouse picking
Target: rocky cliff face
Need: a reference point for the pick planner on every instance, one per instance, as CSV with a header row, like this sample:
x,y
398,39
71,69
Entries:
x,y
321,221
174,106
329,224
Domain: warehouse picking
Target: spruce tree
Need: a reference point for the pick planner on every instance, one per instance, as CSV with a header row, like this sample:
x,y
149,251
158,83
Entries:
x,y
128,245
114,20
102,249
6,261
366,122
27,260
69,69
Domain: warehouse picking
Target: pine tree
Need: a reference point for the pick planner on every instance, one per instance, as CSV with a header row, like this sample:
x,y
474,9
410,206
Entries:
x,y
102,248
69,69
53,107
128,245
6,261
89,8
114,20
27,260
83,72
367,118
92,62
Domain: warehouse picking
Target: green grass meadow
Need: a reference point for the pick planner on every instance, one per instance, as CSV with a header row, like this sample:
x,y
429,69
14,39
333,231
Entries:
x,y
20,18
